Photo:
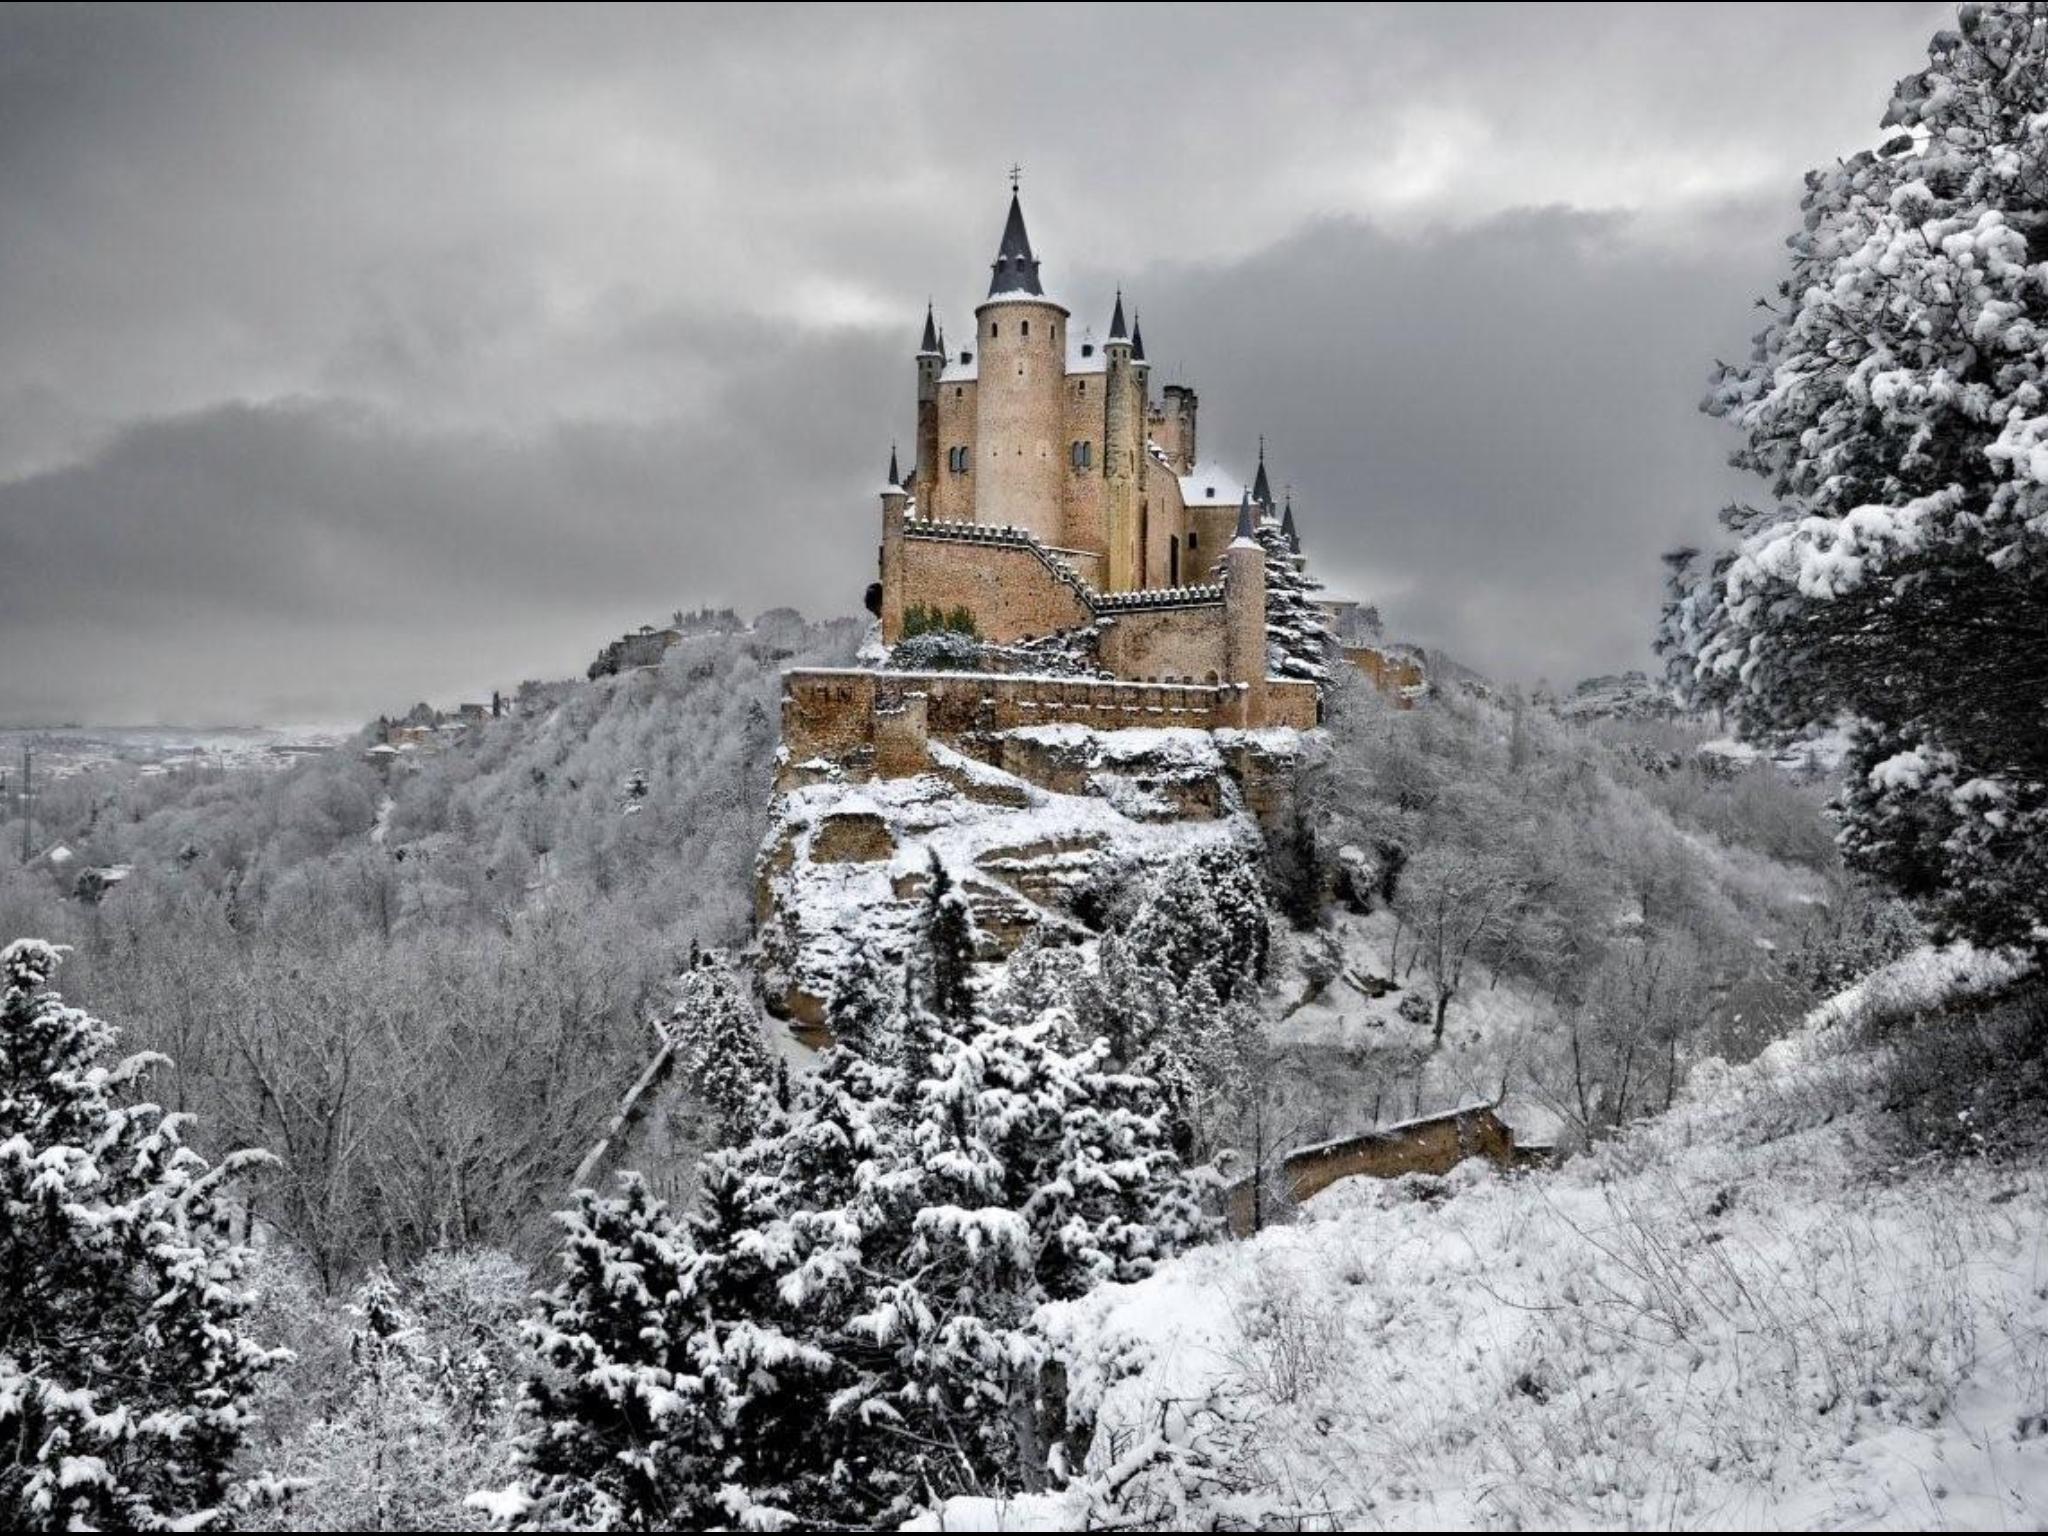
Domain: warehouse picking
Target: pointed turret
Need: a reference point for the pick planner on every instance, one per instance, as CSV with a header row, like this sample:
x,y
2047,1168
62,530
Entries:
x,y
1116,320
1287,528
930,346
895,481
1137,339
1244,616
1016,269
1262,488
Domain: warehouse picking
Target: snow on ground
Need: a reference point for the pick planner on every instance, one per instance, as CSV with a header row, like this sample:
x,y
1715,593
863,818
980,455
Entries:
x,y
1744,1314
1362,1066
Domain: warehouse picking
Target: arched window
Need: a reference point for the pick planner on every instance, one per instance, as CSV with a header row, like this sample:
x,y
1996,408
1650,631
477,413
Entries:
x,y
1194,539
1026,325
1173,560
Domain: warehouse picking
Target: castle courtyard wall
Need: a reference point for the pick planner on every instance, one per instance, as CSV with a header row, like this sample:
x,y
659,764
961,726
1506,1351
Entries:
x,y
1007,587
1177,644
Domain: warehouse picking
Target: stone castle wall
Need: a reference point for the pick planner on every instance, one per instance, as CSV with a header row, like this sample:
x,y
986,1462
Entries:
x,y
882,719
1434,1145
1009,587
1183,643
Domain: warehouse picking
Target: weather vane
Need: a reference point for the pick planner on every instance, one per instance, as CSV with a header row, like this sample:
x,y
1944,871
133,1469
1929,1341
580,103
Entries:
x,y
1016,175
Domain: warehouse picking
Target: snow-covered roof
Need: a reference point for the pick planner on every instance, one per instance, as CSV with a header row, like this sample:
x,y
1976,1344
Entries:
x,y
1211,485
962,370
1021,296
1085,354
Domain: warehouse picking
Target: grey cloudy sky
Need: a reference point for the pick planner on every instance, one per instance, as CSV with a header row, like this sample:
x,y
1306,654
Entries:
x,y
349,357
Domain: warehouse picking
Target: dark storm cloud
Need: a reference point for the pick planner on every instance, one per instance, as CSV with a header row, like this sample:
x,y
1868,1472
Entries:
x,y
354,355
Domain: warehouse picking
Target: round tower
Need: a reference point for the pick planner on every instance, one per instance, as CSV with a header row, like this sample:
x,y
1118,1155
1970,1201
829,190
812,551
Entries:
x,y
931,362
895,509
1244,616
1123,450
1019,471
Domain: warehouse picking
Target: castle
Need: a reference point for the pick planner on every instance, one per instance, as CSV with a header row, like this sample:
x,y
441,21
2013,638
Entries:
x,y
1051,492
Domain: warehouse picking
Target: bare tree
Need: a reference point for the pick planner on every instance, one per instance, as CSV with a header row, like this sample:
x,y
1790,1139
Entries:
x,y
1459,905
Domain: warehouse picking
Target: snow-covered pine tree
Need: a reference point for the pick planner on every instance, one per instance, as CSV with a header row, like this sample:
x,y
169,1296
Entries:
x,y
843,1330
1120,1000
1298,639
1042,1173
724,1055
125,1380
628,1422
1041,975
1204,912
1898,579
864,1004
944,963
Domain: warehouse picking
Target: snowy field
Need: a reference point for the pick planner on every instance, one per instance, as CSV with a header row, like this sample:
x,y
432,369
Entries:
x,y
1744,1314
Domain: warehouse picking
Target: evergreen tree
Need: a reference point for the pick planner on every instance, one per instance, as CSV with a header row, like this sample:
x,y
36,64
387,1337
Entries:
x,y
1298,639
724,1054
628,1420
1204,913
124,1378
1898,579
863,1008
946,952
844,1328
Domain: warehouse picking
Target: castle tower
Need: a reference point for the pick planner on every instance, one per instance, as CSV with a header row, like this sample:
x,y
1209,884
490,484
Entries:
x,y
894,511
1177,427
1020,334
1123,455
930,361
1244,615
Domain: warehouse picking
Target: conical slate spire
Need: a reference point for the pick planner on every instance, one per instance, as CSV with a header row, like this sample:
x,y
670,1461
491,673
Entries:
x,y
930,345
1116,320
1287,526
1137,340
1016,269
1262,488
1247,530
894,478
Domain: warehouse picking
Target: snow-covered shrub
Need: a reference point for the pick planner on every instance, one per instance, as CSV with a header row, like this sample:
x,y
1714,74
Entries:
x,y
937,650
125,1377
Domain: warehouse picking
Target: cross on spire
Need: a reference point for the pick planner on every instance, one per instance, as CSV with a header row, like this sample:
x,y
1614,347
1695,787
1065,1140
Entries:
x,y
1016,175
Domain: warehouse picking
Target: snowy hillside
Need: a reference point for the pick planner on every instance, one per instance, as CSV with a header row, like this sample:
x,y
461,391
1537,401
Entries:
x,y
1747,1313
